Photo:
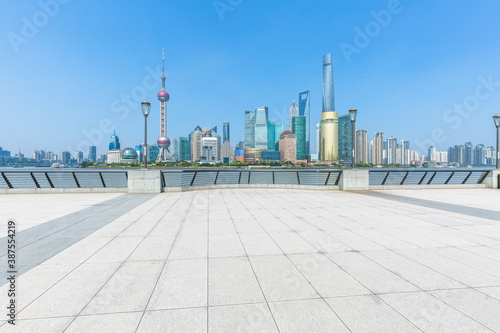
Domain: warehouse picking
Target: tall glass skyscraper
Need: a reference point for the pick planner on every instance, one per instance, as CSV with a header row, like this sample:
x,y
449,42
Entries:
x,y
293,111
304,110
345,140
328,93
184,149
225,132
261,117
92,154
329,144
249,129
273,134
299,129
114,142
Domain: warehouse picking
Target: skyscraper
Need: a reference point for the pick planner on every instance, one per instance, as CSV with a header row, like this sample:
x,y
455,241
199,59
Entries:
x,y
293,111
196,144
361,146
225,133
317,139
174,148
249,129
392,145
114,142
273,134
469,153
304,110
184,149
378,148
329,117
261,117
345,139
92,154
299,129
163,142
288,146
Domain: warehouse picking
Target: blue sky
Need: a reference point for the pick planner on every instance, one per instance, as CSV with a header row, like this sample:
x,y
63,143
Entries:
x,y
69,73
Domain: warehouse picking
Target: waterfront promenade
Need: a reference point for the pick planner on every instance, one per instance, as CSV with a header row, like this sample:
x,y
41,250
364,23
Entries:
x,y
255,260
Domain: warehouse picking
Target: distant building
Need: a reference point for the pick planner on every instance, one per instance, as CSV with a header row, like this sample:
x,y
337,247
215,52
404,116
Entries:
x,y
345,139
392,148
174,148
304,110
299,129
378,148
273,134
153,152
293,111
79,156
361,146
288,146
92,157
226,150
225,133
113,156
271,155
468,153
479,155
209,150
253,155
196,144
65,157
261,118
114,142
184,149
249,129
129,155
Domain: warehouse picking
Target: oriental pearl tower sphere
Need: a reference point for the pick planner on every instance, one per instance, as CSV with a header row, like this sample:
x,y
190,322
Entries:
x,y
163,142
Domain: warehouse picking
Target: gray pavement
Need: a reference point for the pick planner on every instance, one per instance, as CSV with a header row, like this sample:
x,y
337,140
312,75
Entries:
x,y
265,260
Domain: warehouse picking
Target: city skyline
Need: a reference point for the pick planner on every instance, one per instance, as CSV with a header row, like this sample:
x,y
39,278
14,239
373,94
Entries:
x,y
439,85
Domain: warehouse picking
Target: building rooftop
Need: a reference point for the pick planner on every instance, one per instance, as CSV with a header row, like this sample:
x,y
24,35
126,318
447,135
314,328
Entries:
x,y
256,260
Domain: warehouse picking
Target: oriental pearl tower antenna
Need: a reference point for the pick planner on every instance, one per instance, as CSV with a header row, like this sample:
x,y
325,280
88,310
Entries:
x,y
163,142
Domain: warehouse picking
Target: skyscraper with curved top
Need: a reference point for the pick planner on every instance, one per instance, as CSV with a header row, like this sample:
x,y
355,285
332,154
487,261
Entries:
x,y
329,117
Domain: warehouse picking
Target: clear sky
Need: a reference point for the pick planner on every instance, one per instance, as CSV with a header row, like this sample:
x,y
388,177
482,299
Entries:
x,y
417,70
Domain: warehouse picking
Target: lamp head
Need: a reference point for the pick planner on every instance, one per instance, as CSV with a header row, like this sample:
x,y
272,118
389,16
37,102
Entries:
x,y
352,114
146,108
496,119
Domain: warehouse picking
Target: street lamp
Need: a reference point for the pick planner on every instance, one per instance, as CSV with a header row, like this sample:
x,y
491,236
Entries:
x,y
146,108
496,119
352,116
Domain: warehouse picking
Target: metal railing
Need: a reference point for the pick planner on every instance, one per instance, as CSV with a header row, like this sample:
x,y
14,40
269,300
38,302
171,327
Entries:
x,y
74,178
197,177
427,177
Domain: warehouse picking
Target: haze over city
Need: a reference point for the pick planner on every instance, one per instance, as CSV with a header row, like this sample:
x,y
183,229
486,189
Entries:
x,y
85,69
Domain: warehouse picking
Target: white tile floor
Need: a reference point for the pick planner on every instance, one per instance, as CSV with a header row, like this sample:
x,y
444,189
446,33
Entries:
x,y
258,260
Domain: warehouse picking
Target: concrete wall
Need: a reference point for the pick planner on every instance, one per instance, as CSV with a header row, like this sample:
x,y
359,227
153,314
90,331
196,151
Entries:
x,y
144,181
354,180
491,181
63,190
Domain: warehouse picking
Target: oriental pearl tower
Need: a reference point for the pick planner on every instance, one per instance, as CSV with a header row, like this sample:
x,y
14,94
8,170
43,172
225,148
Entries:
x,y
163,142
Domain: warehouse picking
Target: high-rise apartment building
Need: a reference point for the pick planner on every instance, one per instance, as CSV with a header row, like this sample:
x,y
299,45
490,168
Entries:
x,y
431,156
249,129
479,155
370,151
261,118
299,129
79,156
361,146
293,111
378,148
304,110
468,153
392,148
65,157
329,117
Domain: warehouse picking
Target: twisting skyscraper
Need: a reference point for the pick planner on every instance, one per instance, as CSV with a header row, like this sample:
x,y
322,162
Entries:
x,y
163,142
329,117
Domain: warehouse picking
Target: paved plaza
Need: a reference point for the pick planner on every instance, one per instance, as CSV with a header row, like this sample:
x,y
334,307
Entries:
x,y
255,260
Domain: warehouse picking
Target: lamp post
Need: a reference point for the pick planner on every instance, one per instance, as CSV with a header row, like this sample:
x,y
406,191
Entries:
x,y
145,108
352,116
496,119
